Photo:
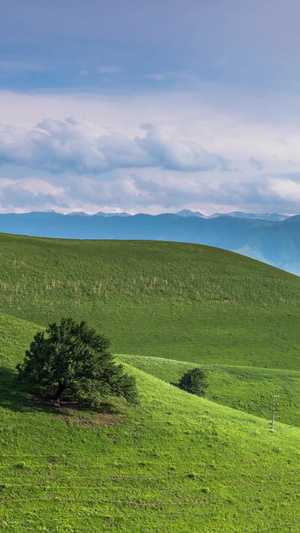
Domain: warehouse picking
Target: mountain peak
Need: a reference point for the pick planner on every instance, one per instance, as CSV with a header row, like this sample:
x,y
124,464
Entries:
x,y
188,213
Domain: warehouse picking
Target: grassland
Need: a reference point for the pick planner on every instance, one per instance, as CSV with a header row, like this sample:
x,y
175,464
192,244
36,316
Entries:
x,y
174,463
179,301
248,389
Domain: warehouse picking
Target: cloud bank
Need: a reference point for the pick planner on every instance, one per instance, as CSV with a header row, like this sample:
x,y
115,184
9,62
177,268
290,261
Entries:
x,y
75,164
79,146
148,193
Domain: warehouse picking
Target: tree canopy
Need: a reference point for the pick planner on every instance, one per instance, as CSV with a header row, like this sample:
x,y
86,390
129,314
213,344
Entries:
x,y
74,357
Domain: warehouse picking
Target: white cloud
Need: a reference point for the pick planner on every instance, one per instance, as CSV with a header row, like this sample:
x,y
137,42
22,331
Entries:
x,y
29,194
284,189
69,152
33,186
148,191
79,146
173,154
108,69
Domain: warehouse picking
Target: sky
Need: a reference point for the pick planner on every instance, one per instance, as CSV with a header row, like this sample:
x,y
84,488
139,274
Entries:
x,y
150,107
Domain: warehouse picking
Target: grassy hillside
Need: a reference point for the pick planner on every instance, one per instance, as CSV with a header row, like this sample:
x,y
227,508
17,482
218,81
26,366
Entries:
x,y
179,301
15,337
174,463
271,241
243,388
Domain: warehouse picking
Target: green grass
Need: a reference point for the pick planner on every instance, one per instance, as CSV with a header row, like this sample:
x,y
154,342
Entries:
x,y
174,463
243,388
15,337
179,301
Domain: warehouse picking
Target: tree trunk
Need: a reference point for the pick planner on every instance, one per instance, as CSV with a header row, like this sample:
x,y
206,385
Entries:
x,y
60,390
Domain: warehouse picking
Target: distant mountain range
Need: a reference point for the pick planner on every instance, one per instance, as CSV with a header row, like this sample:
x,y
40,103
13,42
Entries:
x,y
235,214
271,238
188,213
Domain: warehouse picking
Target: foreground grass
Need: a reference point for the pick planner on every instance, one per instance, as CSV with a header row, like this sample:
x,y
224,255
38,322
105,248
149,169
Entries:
x,y
174,463
180,301
247,389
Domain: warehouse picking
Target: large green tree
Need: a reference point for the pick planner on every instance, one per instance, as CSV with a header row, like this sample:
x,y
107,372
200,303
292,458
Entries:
x,y
74,357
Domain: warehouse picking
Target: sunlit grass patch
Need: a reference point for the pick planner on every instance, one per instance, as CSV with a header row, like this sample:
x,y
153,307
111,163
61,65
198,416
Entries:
x,y
248,389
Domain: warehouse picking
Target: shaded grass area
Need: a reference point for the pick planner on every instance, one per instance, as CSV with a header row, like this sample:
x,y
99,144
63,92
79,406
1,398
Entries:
x,y
174,463
174,300
247,389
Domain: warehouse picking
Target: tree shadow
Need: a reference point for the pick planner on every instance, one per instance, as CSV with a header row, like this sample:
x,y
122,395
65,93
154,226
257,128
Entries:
x,y
17,397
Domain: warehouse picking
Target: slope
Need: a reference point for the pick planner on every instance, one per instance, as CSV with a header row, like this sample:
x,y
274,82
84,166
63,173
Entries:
x,y
248,389
180,301
174,463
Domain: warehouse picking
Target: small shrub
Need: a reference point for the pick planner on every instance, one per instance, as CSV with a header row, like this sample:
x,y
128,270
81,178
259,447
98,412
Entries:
x,y
194,381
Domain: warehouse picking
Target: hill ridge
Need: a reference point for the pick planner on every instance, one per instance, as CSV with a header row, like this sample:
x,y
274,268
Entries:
x,y
274,241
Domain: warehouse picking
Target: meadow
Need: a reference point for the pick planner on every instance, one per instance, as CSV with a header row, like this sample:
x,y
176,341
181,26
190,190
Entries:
x,y
248,389
185,302
175,462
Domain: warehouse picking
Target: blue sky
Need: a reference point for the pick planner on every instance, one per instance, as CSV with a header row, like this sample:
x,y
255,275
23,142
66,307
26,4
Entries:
x,y
152,107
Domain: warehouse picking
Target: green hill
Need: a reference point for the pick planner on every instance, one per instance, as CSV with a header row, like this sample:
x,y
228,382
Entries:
x,y
248,389
186,302
174,463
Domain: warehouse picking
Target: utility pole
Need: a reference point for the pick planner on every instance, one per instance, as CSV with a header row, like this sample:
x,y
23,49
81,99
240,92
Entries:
x,y
273,411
